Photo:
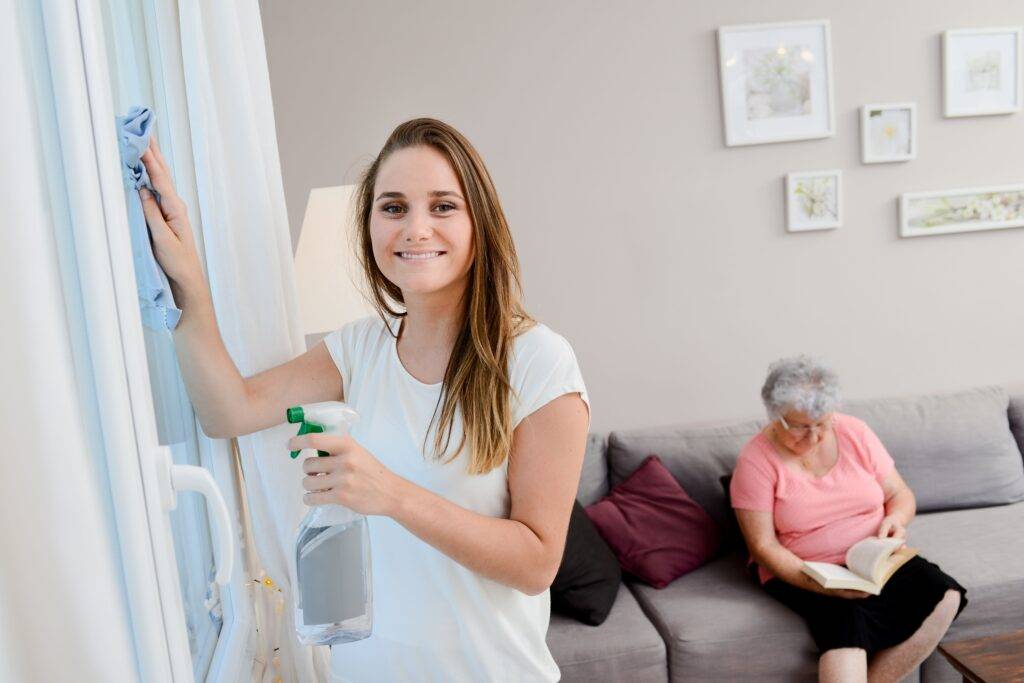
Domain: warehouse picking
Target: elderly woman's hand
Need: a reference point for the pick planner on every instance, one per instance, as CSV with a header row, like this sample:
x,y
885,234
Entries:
x,y
892,526
810,584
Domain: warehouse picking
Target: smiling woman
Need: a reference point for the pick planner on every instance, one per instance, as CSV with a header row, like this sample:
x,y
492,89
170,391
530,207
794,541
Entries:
x,y
422,238
474,418
477,423
478,415
429,191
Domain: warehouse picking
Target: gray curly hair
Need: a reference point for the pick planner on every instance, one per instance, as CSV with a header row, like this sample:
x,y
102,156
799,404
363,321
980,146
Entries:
x,y
800,383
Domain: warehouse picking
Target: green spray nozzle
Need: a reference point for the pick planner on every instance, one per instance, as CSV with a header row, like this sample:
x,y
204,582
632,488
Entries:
x,y
295,414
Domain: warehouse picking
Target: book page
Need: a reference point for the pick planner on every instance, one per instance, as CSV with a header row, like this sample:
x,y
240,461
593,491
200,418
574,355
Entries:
x,y
894,562
835,576
866,558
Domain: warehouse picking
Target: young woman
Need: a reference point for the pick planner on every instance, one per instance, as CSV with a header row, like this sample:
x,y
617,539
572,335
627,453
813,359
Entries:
x,y
473,424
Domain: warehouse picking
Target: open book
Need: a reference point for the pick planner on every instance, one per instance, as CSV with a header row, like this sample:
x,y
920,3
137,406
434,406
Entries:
x,y
869,564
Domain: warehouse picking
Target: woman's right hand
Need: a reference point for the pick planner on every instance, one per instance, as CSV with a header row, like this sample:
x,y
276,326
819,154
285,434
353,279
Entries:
x,y
835,592
173,243
812,585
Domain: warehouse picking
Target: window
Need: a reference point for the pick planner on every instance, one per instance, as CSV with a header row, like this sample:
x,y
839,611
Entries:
x,y
132,83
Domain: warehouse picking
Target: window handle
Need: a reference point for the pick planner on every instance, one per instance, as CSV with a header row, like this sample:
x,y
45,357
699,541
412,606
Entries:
x,y
175,478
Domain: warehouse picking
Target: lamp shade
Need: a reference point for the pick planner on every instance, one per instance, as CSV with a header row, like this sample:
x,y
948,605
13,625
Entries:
x,y
327,273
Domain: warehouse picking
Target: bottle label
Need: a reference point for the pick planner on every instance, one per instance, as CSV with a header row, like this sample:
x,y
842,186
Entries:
x,y
331,578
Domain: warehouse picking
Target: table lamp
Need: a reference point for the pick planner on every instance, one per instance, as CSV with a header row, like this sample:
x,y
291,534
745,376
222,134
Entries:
x,y
328,276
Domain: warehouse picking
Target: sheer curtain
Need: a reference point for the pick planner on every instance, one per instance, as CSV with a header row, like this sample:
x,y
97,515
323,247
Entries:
x,y
66,582
63,607
249,260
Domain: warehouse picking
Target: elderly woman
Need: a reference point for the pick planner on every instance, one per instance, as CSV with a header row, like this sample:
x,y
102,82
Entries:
x,y
808,486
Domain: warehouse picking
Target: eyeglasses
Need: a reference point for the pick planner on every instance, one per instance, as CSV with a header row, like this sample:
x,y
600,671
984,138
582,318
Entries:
x,y
803,430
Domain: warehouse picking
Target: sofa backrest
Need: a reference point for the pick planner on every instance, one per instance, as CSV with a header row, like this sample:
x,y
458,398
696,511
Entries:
x,y
955,450
697,457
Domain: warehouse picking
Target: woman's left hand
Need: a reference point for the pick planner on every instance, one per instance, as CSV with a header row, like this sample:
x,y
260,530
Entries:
x,y
349,476
892,527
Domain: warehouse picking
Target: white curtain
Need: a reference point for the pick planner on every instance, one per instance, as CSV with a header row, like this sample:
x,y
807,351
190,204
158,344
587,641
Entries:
x,y
63,608
64,589
249,262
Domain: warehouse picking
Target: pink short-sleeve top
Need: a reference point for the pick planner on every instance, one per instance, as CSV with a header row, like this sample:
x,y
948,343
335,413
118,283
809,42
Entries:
x,y
816,518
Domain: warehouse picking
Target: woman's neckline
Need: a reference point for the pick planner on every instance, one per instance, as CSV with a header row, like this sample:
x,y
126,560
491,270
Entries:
x,y
396,324
770,445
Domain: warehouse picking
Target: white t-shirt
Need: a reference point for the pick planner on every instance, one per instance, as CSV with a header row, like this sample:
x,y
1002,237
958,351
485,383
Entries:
x,y
434,619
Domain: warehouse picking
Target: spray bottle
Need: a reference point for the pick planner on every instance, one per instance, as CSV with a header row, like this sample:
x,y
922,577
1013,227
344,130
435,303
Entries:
x,y
334,596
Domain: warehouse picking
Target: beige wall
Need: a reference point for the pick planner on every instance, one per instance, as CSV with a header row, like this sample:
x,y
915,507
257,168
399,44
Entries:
x,y
658,252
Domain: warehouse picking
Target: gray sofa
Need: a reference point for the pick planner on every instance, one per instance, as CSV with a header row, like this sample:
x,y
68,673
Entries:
x,y
959,452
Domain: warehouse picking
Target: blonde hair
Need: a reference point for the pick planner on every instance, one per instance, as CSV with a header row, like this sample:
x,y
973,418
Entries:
x,y
476,379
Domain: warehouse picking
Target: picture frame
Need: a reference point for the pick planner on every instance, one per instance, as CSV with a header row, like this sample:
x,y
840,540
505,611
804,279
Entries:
x,y
813,200
982,71
776,82
888,132
962,210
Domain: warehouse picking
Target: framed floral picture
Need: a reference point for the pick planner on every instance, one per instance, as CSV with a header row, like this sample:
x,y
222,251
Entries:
x,y
977,208
776,82
813,200
981,71
888,132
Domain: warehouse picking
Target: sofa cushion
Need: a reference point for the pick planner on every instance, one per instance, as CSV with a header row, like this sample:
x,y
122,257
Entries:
x,y
720,625
717,611
626,647
594,477
982,549
955,450
697,456
655,529
588,577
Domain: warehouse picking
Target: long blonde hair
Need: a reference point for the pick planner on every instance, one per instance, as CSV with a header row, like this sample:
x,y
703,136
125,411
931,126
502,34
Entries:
x,y
476,379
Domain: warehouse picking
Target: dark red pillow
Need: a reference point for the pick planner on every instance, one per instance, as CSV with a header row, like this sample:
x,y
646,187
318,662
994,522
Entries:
x,y
657,531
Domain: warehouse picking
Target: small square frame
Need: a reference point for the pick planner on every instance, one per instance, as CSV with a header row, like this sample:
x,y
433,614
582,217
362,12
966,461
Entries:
x,y
866,155
792,179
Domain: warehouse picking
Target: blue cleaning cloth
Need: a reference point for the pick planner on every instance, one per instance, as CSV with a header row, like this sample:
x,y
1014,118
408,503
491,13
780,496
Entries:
x,y
155,298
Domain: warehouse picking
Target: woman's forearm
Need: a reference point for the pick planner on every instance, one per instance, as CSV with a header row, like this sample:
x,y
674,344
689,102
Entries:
x,y
215,386
504,550
903,505
784,565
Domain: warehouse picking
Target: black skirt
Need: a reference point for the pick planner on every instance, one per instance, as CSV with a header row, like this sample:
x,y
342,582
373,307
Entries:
x,y
876,622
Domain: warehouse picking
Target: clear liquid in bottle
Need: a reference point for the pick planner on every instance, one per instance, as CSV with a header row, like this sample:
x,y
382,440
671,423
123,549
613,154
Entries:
x,y
334,600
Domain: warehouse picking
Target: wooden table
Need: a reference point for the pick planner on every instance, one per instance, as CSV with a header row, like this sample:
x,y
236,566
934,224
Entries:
x,y
995,659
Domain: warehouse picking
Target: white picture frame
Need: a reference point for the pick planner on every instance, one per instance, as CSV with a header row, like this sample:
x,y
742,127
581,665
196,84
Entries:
x,y
963,210
776,82
888,132
982,71
814,200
